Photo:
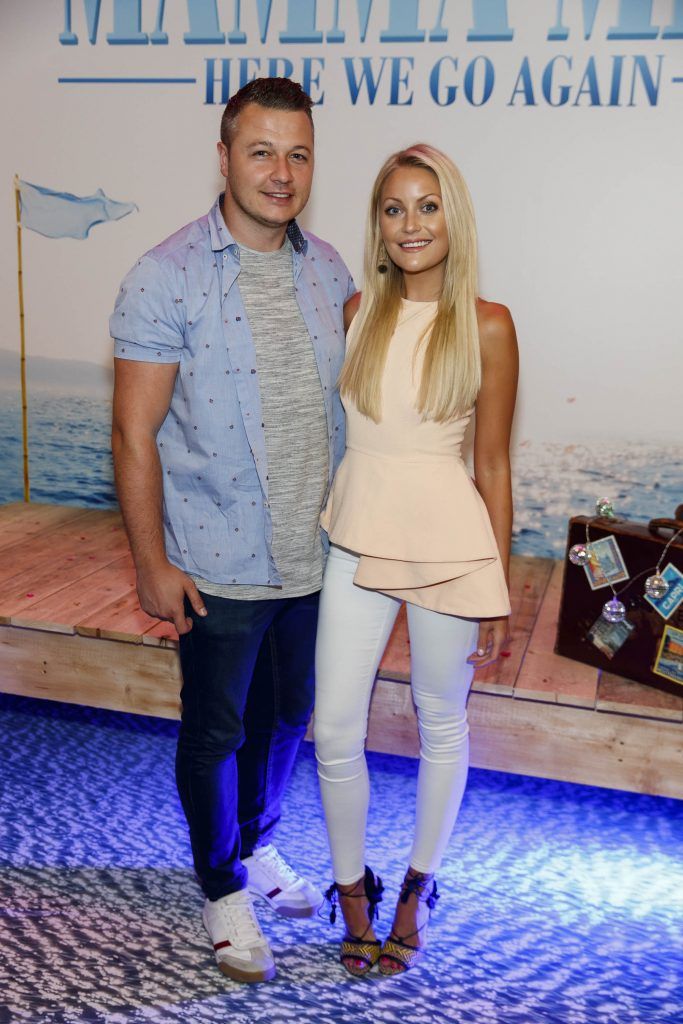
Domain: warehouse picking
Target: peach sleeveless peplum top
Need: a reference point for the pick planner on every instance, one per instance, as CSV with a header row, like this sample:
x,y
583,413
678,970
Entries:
x,y
403,500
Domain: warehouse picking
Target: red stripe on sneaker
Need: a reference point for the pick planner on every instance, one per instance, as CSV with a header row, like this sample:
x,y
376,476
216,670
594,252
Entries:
x,y
222,945
273,893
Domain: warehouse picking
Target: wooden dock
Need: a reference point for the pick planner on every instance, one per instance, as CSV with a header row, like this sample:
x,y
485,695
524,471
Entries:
x,y
71,629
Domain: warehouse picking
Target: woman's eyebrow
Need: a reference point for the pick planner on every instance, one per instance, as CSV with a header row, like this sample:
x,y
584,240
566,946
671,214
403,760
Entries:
x,y
394,199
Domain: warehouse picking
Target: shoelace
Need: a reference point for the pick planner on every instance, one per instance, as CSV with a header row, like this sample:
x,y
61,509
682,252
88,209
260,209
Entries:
x,y
242,922
279,869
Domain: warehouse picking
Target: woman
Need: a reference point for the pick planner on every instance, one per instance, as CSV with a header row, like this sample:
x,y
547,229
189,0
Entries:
x,y
407,523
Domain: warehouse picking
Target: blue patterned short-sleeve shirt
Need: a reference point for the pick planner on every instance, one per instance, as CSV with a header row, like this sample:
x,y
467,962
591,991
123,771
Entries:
x,y
181,304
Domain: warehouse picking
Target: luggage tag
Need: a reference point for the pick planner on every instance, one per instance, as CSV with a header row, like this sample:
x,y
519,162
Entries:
x,y
667,605
609,637
605,564
669,660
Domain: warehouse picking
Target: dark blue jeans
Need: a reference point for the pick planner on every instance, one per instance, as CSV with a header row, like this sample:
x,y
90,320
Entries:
x,y
247,697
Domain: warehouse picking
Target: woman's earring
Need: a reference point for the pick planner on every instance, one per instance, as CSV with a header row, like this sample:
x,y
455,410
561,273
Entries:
x,y
383,264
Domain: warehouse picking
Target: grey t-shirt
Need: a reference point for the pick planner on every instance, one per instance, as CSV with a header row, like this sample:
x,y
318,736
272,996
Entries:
x,y
295,426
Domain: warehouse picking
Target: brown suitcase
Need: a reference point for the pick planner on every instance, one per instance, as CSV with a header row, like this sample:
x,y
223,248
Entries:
x,y
648,646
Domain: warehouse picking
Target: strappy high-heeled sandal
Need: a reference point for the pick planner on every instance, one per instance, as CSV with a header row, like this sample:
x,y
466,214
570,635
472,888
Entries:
x,y
396,955
358,954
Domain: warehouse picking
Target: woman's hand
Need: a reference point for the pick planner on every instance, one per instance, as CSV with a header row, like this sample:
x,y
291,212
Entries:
x,y
494,641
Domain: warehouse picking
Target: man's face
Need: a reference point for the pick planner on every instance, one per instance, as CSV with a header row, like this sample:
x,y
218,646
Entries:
x,y
269,166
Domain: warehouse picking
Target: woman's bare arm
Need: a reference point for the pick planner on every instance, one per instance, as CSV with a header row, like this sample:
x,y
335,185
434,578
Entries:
x,y
494,412
350,309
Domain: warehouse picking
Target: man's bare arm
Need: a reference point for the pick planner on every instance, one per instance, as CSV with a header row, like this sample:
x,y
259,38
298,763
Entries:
x,y
142,396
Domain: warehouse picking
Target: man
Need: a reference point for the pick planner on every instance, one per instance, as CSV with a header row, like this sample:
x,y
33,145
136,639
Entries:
x,y
227,431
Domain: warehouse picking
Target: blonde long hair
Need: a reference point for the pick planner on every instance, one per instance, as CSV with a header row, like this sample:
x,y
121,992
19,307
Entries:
x,y
451,374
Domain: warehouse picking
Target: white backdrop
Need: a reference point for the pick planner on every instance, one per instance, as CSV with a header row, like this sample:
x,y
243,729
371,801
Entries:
x,y
578,205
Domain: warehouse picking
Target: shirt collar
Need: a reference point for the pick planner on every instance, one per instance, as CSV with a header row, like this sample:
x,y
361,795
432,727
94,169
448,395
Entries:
x,y
222,239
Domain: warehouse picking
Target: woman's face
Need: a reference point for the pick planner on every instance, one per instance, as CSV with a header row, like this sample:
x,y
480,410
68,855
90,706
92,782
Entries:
x,y
412,221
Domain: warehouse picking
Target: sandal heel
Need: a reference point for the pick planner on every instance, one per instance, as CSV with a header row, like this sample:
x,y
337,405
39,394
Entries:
x,y
397,955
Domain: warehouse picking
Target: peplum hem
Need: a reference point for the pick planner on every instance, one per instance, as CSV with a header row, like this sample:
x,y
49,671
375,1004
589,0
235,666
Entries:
x,y
438,553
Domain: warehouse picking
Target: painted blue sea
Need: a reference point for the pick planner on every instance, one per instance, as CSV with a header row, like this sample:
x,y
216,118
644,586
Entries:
x,y
555,481
70,464
69,449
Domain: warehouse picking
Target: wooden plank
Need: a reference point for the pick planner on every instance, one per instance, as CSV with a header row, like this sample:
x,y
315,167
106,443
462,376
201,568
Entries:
x,y
527,737
572,744
545,675
98,545
61,542
97,673
10,511
630,698
161,634
122,620
15,512
21,520
63,610
529,579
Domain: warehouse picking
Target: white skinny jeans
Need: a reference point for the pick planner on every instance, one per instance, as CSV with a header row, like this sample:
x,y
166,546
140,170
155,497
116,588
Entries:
x,y
354,626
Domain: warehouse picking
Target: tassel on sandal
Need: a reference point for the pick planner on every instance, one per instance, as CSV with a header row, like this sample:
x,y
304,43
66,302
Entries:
x,y
358,954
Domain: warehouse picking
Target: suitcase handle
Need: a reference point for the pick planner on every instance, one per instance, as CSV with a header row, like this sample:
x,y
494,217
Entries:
x,y
656,526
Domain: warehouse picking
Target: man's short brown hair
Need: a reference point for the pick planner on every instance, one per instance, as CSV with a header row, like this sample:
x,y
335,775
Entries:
x,y
272,93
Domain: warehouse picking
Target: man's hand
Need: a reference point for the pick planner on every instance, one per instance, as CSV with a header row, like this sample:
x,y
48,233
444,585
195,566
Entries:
x,y
162,590
494,640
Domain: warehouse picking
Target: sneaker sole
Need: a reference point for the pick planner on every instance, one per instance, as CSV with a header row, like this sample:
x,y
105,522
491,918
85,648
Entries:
x,y
246,977
285,911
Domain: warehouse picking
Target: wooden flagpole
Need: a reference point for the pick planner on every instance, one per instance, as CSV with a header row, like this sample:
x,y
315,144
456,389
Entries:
x,y
22,336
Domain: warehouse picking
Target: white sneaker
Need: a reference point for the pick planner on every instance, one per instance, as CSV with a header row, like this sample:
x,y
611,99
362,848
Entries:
x,y
241,949
271,878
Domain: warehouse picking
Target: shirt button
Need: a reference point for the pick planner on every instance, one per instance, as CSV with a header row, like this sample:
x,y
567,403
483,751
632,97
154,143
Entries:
x,y
238,318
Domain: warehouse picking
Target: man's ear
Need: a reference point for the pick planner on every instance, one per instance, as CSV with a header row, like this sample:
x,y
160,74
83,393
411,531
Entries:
x,y
223,157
